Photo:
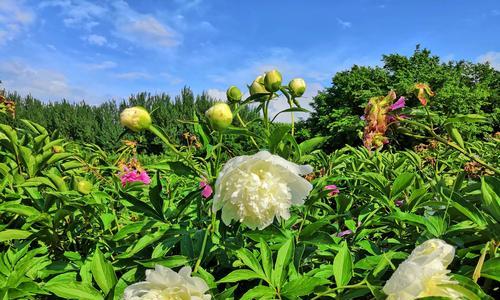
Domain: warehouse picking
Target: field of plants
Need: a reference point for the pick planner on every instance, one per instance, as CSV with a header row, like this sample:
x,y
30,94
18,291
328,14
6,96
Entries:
x,y
284,217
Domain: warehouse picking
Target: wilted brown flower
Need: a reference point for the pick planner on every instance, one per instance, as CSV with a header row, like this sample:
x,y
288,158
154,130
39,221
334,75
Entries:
x,y
421,147
476,170
424,92
376,118
6,105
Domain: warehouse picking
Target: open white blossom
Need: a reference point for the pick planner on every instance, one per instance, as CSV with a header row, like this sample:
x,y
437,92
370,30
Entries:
x,y
423,273
164,284
257,188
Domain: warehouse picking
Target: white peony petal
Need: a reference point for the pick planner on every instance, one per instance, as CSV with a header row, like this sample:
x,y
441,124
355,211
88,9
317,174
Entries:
x,y
256,189
164,283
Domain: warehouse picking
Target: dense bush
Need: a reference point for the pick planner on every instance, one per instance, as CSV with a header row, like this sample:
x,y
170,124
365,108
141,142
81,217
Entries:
x,y
461,88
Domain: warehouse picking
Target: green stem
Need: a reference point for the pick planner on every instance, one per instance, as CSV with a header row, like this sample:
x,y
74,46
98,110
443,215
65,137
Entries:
x,y
205,238
245,126
159,134
452,145
359,285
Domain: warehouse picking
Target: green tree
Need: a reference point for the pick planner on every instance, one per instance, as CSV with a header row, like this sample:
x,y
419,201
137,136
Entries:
x,y
461,87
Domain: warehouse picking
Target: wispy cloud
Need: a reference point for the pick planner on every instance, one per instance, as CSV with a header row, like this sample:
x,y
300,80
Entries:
x,y
95,39
492,57
46,84
78,13
143,29
105,65
15,17
343,23
133,75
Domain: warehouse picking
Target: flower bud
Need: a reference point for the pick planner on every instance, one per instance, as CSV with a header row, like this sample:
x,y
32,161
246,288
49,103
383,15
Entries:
x,y
84,187
257,86
135,118
272,81
57,149
220,116
297,87
234,94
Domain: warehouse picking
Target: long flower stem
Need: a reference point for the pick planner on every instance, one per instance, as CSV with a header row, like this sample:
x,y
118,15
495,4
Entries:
x,y
245,126
203,246
159,134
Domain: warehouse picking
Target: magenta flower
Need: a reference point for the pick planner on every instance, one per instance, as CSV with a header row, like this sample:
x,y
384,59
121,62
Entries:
x,y
398,104
333,190
399,203
134,176
344,233
207,189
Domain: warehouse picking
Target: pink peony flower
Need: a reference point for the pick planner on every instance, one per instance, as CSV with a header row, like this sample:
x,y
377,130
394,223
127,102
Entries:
x,y
333,190
133,176
207,189
398,104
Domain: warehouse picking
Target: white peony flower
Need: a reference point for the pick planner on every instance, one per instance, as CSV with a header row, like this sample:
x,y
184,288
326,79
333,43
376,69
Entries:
x,y
423,273
164,284
254,189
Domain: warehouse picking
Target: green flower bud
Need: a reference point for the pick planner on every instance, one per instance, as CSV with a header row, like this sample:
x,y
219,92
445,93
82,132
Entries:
x,y
135,118
257,86
220,116
57,149
272,81
297,87
234,94
84,187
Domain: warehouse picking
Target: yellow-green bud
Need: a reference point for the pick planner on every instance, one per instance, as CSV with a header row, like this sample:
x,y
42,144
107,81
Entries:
x,y
234,94
220,116
135,118
257,86
272,81
297,87
84,187
57,149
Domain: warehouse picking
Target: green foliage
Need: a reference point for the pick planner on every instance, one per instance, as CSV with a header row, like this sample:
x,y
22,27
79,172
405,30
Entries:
x,y
461,88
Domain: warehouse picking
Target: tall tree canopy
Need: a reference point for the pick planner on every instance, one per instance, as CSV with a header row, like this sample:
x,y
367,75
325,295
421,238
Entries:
x,y
461,87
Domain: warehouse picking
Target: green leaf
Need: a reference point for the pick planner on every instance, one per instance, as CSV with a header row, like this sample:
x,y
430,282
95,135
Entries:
x,y
249,260
342,266
292,109
490,199
239,275
259,292
266,258
309,145
13,234
491,269
285,254
302,286
276,136
403,181
66,286
103,272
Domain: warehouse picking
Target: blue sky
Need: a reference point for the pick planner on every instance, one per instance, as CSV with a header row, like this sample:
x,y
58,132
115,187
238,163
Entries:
x,y
97,50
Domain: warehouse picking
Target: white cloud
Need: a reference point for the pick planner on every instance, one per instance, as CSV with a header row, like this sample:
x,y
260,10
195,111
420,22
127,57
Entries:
x,y
305,101
171,79
133,75
45,84
142,29
492,57
95,39
105,65
15,18
217,94
78,13
343,23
